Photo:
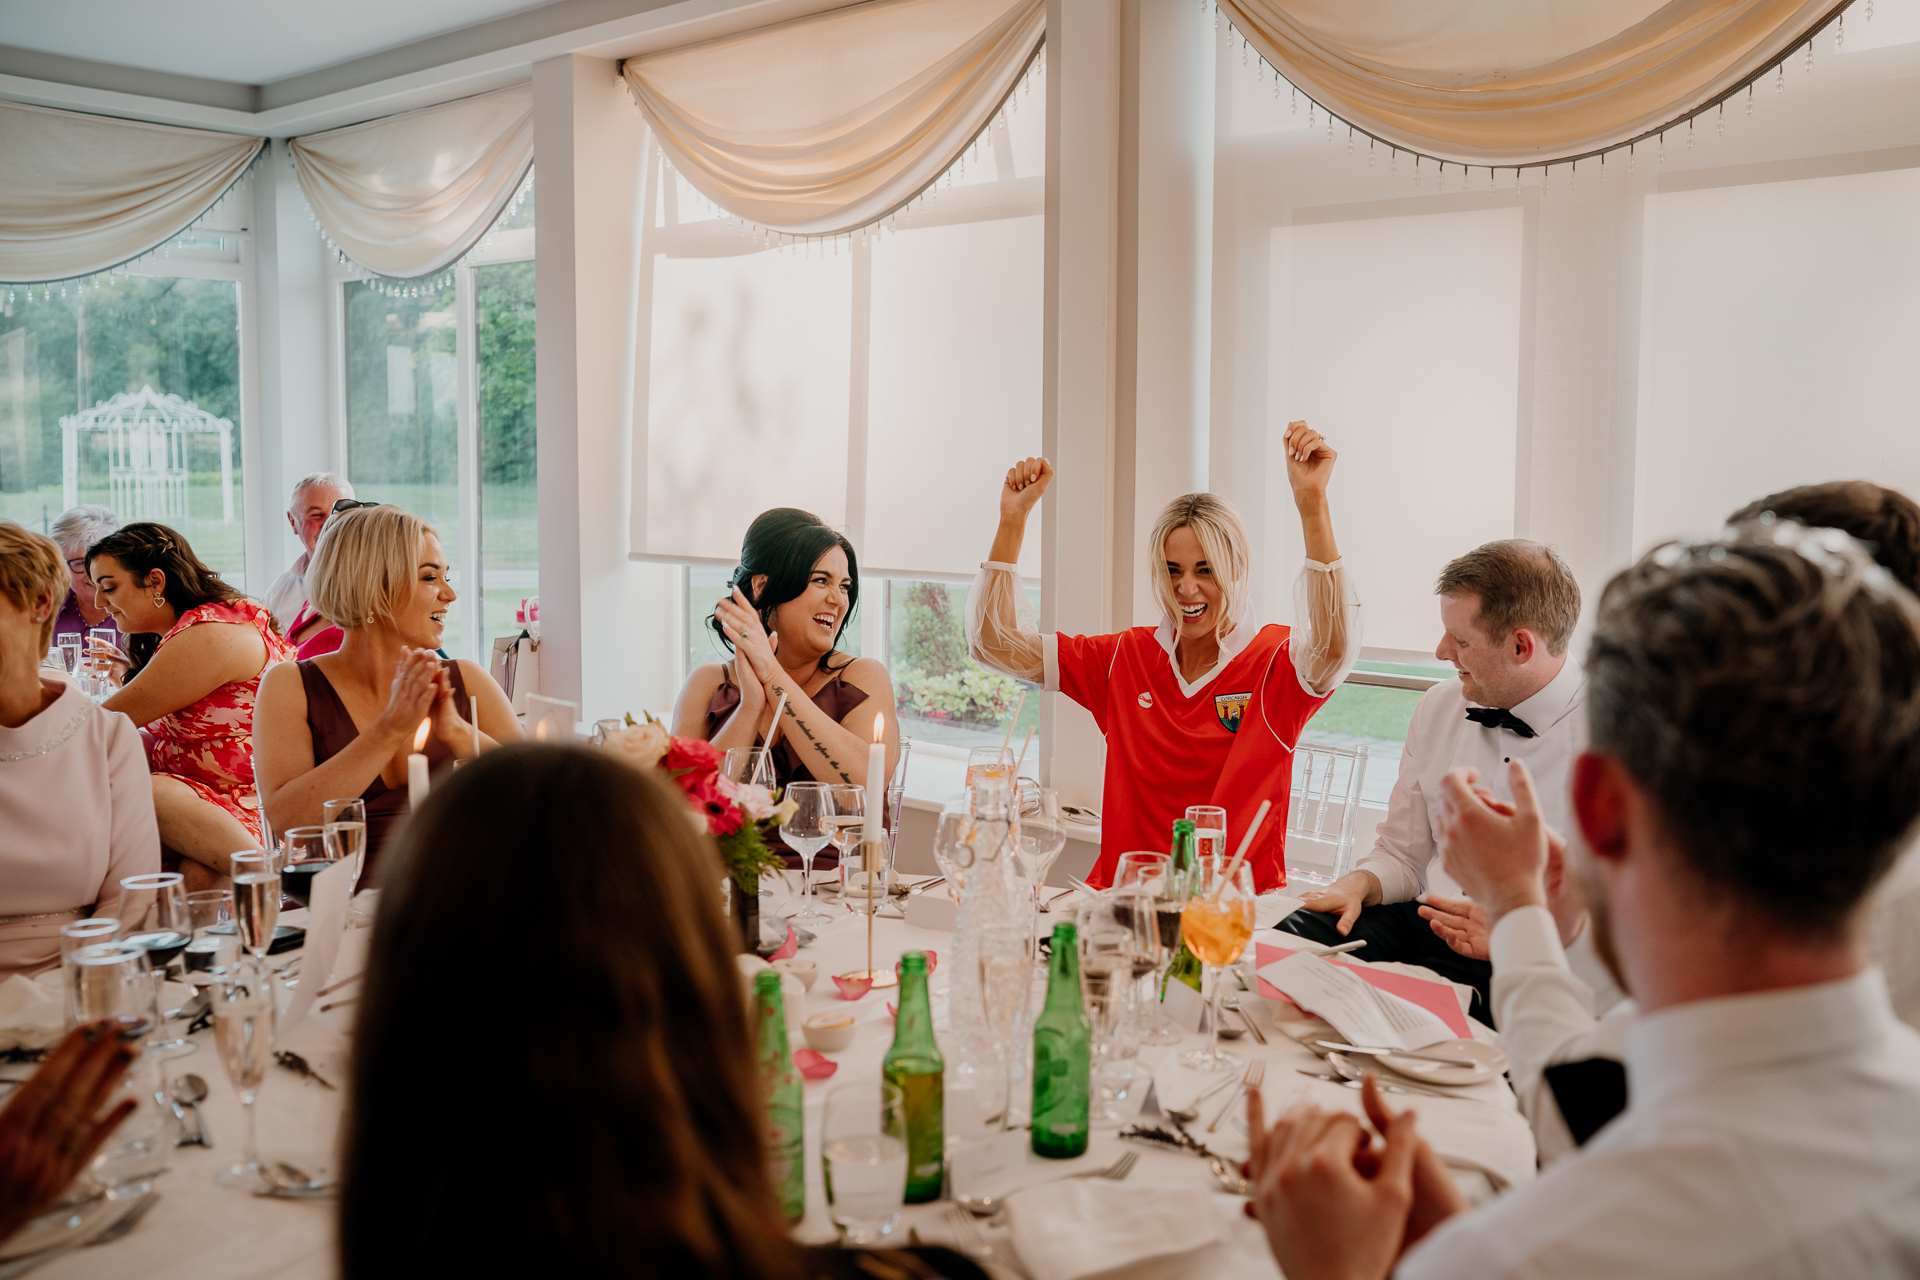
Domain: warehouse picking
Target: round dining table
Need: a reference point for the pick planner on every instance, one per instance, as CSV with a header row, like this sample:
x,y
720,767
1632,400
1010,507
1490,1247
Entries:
x,y
197,1231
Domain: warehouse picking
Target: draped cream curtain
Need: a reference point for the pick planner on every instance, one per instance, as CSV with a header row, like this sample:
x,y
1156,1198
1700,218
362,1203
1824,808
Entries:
x,y
84,193
1502,82
407,196
833,121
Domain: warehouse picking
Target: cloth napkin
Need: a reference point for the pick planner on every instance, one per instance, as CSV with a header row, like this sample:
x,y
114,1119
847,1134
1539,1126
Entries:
x,y
31,1016
1088,1227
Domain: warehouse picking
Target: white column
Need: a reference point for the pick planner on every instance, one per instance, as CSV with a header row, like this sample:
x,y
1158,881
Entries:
x,y
293,436
605,633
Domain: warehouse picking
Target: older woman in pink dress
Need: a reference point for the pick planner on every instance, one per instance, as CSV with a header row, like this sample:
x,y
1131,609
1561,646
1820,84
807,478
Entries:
x,y
198,650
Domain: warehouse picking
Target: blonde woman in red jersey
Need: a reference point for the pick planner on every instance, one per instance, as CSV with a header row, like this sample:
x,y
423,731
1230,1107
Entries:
x,y
1207,707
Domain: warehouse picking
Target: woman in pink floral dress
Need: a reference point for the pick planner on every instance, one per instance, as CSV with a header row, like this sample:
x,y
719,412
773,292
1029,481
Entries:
x,y
198,649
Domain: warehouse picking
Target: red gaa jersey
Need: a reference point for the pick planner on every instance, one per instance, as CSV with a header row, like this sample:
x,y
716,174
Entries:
x,y
1229,744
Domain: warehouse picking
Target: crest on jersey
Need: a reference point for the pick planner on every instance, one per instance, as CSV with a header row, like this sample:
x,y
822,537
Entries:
x,y
1230,707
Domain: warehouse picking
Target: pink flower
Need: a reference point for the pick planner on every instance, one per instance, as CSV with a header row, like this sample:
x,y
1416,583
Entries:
x,y
692,753
723,816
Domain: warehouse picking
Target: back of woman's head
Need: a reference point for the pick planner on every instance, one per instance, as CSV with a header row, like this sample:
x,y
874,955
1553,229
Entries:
x,y
553,1069
783,545
142,547
365,564
30,564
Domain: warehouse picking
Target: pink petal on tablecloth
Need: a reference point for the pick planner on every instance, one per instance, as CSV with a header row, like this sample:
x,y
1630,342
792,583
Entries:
x,y
788,948
852,988
892,1012
814,1066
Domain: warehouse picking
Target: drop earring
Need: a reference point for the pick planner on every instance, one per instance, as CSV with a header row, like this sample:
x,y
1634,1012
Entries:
x,y
159,602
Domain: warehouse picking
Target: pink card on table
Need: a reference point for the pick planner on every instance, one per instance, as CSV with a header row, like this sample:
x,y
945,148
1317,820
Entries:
x,y
1436,998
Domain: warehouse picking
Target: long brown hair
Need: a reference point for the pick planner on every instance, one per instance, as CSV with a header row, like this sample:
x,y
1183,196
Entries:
x,y
142,547
553,1071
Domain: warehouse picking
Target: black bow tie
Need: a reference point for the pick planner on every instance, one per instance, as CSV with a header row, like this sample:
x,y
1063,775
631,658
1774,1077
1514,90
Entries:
x,y
1500,718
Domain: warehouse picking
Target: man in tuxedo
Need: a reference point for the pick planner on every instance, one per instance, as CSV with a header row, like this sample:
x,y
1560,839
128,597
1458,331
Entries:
x,y
1507,610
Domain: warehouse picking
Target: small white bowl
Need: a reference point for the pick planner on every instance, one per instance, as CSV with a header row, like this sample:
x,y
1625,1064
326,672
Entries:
x,y
805,970
829,1032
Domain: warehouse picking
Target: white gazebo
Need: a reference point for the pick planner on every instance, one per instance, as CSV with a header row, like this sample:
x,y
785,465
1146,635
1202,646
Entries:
x,y
147,439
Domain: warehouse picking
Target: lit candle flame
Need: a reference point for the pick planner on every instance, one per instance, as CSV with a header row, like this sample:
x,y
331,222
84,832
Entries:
x,y
879,727
420,735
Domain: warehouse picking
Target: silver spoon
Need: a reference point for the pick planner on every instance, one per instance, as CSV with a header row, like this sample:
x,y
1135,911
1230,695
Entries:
x,y
190,1090
1229,1178
1188,1114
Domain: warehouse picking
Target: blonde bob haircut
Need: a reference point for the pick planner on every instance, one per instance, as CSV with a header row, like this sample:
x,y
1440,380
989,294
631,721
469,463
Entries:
x,y
365,564
1224,542
30,564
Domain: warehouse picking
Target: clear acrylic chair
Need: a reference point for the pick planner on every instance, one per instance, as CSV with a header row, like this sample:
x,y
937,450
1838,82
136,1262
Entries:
x,y
1323,812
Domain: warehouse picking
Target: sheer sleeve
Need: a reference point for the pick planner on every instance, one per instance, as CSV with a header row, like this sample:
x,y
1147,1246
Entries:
x,y
1002,631
1326,630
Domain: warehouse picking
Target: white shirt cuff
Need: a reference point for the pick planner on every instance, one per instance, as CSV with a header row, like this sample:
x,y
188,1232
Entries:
x,y
1526,936
1000,564
1311,563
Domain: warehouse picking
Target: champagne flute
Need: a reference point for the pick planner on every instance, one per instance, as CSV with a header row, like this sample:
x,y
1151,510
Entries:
x,y
348,818
164,930
1006,980
1217,923
1151,874
1209,831
308,851
1039,836
806,832
256,901
245,1023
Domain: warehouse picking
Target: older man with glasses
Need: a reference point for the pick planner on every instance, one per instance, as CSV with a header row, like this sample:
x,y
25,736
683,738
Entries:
x,y
313,501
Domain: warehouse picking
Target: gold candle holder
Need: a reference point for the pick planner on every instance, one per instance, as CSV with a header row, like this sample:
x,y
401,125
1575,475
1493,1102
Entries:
x,y
873,856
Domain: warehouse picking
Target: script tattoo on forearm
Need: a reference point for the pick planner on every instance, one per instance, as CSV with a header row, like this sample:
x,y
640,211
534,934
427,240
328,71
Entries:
x,y
819,746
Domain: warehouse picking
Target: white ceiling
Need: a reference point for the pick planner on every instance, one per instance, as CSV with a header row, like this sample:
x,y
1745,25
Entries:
x,y
244,41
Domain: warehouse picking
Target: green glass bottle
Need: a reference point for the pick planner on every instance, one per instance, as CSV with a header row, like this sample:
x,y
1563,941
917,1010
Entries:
x,y
785,1103
914,1065
1062,1056
1186,965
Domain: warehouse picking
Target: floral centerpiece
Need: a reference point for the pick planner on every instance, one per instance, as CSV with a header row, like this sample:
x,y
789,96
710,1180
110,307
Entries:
x,y
731,812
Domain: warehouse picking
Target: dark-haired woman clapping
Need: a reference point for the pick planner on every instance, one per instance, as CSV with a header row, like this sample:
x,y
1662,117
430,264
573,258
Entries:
x,y
796,587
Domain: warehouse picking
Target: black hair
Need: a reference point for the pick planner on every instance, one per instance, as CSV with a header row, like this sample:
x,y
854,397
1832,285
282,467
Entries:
x,y
142,547
784,544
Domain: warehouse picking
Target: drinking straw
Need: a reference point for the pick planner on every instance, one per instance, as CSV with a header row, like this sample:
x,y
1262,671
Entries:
x,y
773,731
1259,820
1023,753
1007,741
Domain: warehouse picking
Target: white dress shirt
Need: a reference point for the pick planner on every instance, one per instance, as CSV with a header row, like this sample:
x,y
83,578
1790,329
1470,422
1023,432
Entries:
x,y
1772,1134
1893,934
288,594
1440,739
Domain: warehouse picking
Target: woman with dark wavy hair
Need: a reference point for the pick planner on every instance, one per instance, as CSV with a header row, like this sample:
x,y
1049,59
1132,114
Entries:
x,y
790,599
635,1145
197,650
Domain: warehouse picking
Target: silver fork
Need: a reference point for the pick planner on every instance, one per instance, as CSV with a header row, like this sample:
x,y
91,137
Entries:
x,y
987,1206
1255,1077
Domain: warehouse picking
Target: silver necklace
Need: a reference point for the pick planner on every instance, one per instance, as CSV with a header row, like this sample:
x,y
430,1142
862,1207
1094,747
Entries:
x,y
58,739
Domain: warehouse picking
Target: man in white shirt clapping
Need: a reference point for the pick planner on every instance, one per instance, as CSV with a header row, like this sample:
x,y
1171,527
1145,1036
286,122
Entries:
x,y
1508,610
1754,770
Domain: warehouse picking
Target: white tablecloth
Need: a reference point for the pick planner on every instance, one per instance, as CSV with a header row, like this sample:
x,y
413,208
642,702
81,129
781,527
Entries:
x,y
199,1232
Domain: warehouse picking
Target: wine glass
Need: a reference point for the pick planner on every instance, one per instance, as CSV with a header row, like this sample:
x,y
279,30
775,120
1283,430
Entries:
x,y
308,851
1039,836
1209,831
752,765
348,819
806,832
256,901
85,933
1217,923
107,979
1006,979
847,822
989,764
1151,873
163,931
1118,941
952,851
245,1022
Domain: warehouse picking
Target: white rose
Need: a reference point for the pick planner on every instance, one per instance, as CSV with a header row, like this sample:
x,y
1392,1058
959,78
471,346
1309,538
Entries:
x,y
754,801
642,744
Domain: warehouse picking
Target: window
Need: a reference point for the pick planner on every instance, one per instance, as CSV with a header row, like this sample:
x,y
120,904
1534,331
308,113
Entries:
x,y
1372,710
883,383
441,406
78,366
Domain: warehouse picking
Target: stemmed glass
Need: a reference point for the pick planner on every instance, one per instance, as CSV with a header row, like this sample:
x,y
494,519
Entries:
x,y
806,831
347,818
1039,836
750,764
1209,831
952,851
1217,923
1006,979
256,901
163,932
309,851
1151,875
1118,940
245,1023
846,824
989,764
